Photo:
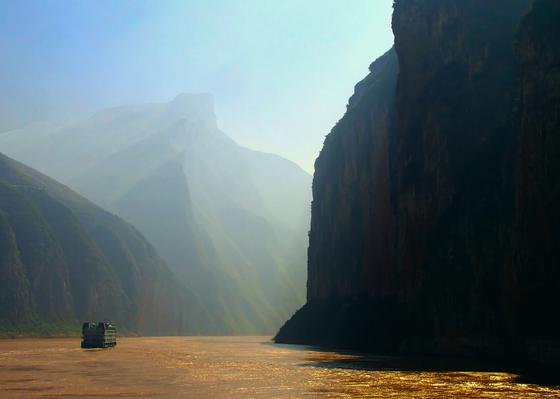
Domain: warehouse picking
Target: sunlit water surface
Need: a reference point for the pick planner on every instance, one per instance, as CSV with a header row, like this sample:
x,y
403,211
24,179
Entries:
x,y
229,367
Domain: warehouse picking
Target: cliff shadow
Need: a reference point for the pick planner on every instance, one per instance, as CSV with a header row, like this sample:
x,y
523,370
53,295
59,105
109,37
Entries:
x,y
347,359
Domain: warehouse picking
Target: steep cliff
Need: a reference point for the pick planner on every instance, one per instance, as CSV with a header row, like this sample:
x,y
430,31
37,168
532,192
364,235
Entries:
x,y
455,101
351,242
458,217
537,233
64,260
352,193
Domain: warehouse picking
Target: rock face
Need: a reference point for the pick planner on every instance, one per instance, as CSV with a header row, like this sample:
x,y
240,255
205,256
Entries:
x,y
352,237
230,222
64,260
434,199
537,233
352,193
454,169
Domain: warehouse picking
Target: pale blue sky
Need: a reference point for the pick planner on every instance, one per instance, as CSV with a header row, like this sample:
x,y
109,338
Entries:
x,y
281,72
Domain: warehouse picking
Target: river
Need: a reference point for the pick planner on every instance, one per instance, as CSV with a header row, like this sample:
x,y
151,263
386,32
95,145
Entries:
x,y
231,367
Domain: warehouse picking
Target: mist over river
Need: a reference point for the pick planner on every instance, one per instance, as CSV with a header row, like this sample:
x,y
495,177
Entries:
x,y
230,367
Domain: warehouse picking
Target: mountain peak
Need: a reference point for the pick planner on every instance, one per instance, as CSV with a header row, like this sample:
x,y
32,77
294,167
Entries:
x,y
198,97
193,106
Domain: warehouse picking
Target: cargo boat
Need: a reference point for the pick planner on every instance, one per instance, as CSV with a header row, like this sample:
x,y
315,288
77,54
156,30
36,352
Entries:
x,y
98,335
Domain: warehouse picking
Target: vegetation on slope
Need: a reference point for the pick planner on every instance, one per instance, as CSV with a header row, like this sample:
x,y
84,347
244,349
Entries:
x,y
64,260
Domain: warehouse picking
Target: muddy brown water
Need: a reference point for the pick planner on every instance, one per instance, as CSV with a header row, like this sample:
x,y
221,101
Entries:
x,y
230,367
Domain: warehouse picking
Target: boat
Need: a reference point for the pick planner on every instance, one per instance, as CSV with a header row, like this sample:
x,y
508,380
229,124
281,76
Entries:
x,y
98,335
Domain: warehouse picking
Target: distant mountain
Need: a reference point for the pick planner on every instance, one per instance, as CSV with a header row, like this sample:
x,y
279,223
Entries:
x,y
231,222
64,260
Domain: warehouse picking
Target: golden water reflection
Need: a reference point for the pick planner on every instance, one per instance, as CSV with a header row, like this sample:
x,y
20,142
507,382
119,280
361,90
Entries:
x,y
230,367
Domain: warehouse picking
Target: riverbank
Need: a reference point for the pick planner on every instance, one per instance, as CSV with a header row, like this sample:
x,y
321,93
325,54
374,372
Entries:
x,y
41,329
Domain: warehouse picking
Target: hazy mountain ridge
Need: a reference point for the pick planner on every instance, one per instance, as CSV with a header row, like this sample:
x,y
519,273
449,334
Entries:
x,y
65,260
228,220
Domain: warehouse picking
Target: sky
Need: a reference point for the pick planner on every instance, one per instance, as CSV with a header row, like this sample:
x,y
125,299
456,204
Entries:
x,y
280,72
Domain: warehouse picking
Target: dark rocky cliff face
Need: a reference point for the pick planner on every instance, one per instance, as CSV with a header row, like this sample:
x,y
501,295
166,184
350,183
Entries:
x,y
434,213
537,233
352,238
455,134
352,191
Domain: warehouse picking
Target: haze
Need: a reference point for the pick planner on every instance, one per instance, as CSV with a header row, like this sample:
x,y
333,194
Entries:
x,y
279,198
280,72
